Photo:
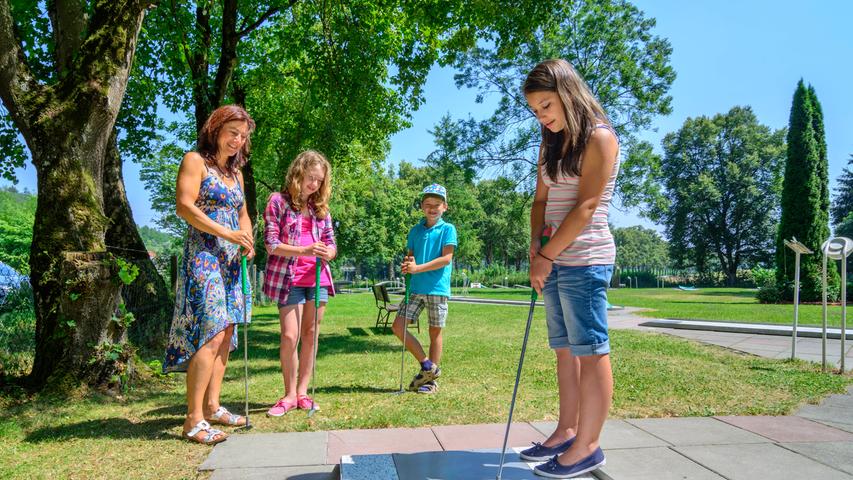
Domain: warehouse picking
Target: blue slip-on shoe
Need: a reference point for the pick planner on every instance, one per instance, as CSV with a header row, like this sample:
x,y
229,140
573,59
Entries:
x,y
540,453
554,469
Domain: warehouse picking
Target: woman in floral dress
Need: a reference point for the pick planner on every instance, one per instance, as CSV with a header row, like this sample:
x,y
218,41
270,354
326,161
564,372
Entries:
x,y
209,301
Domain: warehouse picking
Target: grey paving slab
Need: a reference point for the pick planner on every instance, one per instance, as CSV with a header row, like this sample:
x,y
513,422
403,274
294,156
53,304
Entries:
x,y
317,472
828,413
696,431
752,343
700,335
658,463
812,346
838,455
375,441
268,450
368,467
788,429
722,343
770,342
841,401
489,435
753,461
615,434
760,350
841,426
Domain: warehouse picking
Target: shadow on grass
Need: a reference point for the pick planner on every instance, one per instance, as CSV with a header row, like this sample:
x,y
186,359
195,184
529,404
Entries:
x,y
115,428
177,411
265,345
382,331
358,389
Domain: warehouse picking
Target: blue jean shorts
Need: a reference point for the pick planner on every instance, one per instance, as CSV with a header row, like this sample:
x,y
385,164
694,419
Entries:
x,y
298,296
576,308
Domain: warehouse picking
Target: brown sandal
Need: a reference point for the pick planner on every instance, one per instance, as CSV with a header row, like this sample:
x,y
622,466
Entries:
x,y
212,437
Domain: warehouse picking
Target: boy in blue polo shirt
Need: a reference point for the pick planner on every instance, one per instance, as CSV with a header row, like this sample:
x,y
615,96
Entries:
x,y
430,246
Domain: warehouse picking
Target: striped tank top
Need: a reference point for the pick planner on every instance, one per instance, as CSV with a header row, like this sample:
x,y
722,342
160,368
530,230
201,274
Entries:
x,y
594,245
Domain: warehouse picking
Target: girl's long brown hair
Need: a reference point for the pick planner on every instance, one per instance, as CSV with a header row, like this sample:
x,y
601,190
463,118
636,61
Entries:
x,y
293,182
208,146
561,152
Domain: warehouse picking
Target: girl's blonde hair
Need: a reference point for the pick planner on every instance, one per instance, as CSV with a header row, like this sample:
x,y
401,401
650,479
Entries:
x,y
293,182
561,152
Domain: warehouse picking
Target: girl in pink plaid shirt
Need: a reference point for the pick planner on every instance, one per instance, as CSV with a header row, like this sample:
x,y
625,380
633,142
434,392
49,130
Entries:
x,y
298,230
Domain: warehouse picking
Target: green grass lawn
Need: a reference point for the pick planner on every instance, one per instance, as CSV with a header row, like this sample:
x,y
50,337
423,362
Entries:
x,y
138,435
718,304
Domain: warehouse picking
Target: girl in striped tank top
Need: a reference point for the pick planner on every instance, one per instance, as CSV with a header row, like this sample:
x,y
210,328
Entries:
x,y
577,168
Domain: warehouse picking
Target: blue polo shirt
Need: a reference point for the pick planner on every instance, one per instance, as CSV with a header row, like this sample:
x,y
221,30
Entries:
x,y
427,244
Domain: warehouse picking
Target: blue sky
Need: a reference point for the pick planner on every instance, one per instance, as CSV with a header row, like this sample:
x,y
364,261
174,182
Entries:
x,y
725,53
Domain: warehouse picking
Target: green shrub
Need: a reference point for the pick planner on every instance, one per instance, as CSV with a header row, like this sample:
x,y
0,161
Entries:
x,y
496,274
763,277
17,332
769,294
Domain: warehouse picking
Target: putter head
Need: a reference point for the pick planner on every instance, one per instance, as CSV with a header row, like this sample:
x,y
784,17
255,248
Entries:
x,y
246,427
312,410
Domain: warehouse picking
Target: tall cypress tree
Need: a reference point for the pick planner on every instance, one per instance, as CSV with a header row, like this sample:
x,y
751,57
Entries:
x,y
823,160
805,197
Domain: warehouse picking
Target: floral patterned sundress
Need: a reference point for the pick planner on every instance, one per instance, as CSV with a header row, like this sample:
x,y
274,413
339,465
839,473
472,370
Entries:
x,y
209,295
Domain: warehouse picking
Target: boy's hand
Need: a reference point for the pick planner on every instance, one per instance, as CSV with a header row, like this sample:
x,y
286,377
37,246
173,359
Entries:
x,y
409,265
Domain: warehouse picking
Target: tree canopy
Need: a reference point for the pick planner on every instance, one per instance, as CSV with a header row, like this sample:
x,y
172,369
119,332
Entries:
x,y
638,246
722,177
609,42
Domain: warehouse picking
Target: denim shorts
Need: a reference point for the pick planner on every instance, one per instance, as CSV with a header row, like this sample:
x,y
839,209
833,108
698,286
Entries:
x,y
576,308
298,295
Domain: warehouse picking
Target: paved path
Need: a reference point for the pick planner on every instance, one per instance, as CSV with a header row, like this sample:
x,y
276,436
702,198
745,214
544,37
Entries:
x,y
756,341
816,442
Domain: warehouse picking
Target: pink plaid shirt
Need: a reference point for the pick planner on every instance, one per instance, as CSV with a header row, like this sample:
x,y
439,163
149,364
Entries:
x,y
283,225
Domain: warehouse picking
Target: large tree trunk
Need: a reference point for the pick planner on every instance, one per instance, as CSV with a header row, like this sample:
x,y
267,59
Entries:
x,y
74,279
67,127
147,297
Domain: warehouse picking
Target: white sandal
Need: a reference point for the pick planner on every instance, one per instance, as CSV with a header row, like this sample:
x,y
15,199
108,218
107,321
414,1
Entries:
x,y
233,419
210,438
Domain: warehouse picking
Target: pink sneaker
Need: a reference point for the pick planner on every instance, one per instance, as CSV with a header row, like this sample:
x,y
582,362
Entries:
x,y
304,402
281,407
